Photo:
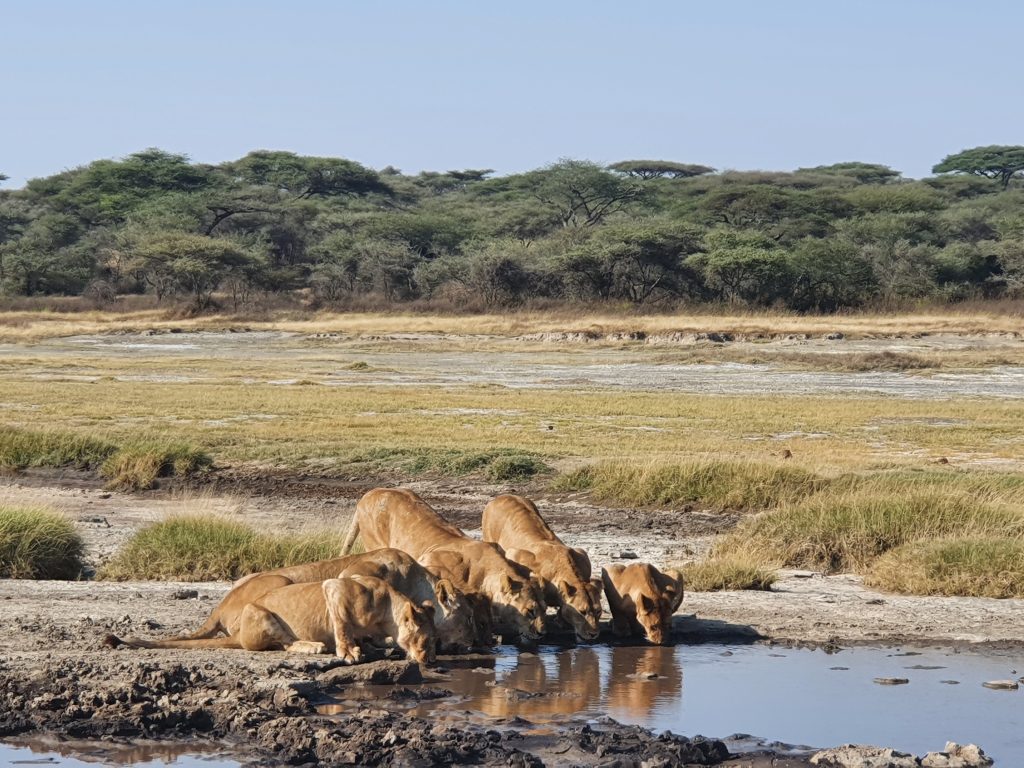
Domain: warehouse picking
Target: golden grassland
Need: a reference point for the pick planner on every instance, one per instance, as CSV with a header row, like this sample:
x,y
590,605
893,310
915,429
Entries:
x,y
26,326
869,483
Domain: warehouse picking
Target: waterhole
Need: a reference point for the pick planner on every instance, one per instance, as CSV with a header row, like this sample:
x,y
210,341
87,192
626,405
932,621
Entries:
x,y
85,754
796,696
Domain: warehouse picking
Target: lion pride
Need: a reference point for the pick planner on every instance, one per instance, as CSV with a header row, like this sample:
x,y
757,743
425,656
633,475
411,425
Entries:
x,y
398,518
514,524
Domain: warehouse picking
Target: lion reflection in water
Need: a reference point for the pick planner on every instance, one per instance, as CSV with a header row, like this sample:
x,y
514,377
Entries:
x,y
642,677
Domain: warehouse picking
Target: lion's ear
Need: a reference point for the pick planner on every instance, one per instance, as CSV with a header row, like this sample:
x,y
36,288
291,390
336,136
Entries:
x,y
445,592
647,603
568,588
511,585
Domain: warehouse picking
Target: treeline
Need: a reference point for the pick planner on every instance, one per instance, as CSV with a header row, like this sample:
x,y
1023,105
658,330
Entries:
x,y
335,233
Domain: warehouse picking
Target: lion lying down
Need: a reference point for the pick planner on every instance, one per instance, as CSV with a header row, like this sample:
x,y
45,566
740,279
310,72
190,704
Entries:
x,y
319,617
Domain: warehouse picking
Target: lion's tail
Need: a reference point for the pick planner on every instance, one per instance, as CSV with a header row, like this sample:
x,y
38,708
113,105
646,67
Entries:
x,y
350,536
113,641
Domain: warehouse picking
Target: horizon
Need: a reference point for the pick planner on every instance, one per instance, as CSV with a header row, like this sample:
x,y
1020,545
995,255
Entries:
x,y
454,85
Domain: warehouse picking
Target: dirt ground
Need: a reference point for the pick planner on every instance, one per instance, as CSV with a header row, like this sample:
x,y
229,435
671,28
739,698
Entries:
x,y
56,677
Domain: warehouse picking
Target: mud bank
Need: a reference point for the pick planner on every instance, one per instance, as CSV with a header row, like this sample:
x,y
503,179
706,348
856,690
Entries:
x,y
272,720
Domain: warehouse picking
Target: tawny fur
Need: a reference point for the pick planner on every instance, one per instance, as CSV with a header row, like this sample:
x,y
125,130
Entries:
x,y
515,524
642,600
398,518
319,617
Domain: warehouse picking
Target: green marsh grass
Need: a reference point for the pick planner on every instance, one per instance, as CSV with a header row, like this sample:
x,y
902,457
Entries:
x,y
209,547
975,567
38,544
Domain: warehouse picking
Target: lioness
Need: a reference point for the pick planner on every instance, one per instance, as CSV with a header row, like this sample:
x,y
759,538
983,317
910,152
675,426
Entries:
x,y
335,614
514,524
395,517
458,624
642,599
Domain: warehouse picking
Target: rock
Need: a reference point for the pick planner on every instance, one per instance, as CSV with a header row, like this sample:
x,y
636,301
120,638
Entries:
x,y
957,756
834,336
1002,685
891,680
854,756
628,555
375,672
184,594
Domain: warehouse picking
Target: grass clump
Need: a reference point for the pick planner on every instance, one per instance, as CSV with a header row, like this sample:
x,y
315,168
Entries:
x,y
132,466
515,467
210,548
38,544
501,464
22,448
137,467
975,567
837,532
721,484
729,572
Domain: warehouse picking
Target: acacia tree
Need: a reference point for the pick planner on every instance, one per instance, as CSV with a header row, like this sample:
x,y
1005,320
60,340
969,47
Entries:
x,y
305,177
195,263
992,162
656,169
580,193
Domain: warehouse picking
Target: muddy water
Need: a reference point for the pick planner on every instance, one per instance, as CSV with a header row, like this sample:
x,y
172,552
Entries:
x,y
30,752
433,362
797,696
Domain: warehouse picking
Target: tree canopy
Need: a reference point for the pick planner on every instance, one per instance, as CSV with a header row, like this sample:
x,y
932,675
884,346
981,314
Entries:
x,y
276,226
993,162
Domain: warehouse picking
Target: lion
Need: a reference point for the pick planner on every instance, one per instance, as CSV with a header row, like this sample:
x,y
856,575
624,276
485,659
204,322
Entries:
x,y
459,626
514,524
319,617
642,600
395,517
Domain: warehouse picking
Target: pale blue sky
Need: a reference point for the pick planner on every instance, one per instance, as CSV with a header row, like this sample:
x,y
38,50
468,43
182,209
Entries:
x,y
436,84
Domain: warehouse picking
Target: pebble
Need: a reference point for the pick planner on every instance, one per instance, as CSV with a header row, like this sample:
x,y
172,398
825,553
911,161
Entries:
x,y
891,680
628,555
184,594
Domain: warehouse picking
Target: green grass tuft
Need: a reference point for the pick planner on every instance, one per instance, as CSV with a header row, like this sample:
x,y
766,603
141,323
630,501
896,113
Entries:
x,y
137,467
719,484
731,572
975,567
848,531
22,448
133,466
38,544
208,547
515,467
499,464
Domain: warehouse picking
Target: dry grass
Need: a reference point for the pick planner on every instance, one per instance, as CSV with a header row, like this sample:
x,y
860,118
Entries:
x,y
977,567
38,543
204,547
25,326
139,465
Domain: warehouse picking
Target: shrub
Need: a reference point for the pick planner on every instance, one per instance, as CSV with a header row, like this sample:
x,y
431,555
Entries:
x,y
976,567
208,547
38,544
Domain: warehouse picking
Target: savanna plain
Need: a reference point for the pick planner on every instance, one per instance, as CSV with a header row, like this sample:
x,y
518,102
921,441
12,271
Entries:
x,y
824,482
